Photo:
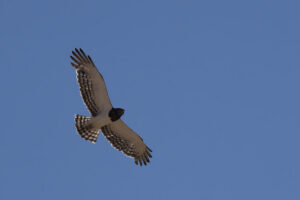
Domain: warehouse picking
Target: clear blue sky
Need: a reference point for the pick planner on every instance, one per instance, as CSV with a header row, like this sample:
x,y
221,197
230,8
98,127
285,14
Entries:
x,y
211,86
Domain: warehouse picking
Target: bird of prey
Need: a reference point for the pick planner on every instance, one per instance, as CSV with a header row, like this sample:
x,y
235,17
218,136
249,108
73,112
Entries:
x,y
104,116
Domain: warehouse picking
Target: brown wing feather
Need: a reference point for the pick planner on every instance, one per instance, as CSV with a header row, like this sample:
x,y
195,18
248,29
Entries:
x,y
87,92
91,83
124,139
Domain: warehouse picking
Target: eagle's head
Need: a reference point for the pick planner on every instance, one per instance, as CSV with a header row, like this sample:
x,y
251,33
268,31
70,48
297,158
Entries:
x,y
116,113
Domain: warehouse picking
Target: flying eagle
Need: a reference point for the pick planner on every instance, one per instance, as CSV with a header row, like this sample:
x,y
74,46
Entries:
x,y
104,116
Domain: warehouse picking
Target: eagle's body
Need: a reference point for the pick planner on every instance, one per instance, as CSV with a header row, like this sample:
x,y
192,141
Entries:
x,y
104,116
100,120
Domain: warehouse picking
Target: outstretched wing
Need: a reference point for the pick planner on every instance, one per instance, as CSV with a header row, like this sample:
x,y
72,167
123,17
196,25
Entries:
x,y
126,140
91,83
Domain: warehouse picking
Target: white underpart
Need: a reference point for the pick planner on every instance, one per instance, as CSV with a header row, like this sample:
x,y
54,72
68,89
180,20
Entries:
x,y
100,120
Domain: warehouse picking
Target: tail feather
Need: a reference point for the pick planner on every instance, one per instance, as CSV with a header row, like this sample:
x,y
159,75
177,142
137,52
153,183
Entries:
x,y
85,131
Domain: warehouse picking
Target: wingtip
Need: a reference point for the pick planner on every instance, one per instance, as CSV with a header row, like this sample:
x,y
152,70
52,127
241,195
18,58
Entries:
x,y
147,159
149,154
78,52
144,160
149,149
75,66
73,58
81,51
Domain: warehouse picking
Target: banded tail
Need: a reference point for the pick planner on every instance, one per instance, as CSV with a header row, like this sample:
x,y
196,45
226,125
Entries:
x,y
85,131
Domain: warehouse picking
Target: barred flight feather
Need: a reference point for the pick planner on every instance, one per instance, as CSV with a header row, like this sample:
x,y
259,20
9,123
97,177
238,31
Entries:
x,y
87,92
123,145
